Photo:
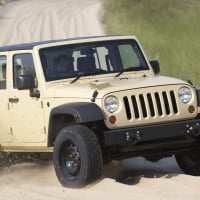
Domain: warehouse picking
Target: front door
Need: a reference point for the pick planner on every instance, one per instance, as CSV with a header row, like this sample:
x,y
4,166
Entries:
x,y
26,112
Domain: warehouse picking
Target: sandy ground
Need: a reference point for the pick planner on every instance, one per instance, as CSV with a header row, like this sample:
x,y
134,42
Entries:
x,y
33,20
130,179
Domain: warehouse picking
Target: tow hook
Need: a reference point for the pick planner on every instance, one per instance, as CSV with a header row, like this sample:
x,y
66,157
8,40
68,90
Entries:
x,y
193,129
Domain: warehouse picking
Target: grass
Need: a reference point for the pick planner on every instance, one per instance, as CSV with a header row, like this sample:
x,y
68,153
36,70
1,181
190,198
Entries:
x,y
2,2
168,31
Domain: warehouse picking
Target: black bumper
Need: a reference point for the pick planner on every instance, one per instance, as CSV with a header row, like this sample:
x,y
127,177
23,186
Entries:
x,y
162,132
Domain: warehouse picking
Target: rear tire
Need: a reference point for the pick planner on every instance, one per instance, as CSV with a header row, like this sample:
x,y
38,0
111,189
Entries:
x,y
189,162
77,156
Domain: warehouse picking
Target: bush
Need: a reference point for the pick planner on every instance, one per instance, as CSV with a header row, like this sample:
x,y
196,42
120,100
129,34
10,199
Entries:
x,y
168,31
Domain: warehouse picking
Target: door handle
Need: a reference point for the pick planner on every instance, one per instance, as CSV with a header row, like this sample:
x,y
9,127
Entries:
x,y
13,100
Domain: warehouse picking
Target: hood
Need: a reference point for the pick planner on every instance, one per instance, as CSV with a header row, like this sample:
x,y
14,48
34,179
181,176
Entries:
x,y
86,90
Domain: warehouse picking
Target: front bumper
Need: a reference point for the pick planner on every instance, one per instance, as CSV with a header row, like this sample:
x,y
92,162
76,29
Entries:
x,y
160,132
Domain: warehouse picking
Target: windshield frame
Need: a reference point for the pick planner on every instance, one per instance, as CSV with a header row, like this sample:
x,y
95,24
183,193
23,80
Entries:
x,y
114,43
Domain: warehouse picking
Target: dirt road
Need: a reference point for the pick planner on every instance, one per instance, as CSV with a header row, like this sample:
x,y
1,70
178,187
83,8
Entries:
x,y
34,20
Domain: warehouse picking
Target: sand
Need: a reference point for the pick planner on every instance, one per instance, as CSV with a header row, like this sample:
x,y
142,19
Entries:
x,y
129,179
34,20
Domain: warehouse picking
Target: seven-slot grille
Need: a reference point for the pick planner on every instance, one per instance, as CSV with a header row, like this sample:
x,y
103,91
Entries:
x,y
149,105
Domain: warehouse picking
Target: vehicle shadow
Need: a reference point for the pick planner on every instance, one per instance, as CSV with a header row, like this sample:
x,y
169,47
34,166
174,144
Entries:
x,y
131,171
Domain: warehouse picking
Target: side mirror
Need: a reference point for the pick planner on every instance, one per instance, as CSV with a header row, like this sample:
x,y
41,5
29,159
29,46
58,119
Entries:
x,y
25,82
155,66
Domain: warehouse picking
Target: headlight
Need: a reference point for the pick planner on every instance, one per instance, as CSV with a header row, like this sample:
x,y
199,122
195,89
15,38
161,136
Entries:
x,y
111,104
185,94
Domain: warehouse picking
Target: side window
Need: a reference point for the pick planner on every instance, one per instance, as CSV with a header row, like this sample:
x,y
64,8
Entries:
x,y
22,65
3,63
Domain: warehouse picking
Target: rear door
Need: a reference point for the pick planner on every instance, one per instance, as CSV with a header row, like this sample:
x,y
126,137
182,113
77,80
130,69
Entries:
x,y
5,123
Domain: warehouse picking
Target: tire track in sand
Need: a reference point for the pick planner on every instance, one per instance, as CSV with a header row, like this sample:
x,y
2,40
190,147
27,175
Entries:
x,y
35,20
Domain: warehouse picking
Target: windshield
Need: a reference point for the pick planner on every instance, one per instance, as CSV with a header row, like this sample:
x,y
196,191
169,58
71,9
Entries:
x,y
68,61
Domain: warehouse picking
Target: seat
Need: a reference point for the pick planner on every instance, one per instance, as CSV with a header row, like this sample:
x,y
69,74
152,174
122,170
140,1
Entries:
x,y
86,64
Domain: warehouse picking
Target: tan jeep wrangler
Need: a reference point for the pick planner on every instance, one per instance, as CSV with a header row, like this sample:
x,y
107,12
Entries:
x,y
92,100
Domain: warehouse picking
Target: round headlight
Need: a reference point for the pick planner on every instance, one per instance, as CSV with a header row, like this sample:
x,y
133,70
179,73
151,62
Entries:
x,y
111,104
185,94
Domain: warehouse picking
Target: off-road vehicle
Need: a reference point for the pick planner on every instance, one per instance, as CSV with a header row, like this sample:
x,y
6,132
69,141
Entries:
x,y
92,100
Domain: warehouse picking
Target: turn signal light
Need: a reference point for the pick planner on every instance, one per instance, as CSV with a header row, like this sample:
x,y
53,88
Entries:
x,y
112,119
191,109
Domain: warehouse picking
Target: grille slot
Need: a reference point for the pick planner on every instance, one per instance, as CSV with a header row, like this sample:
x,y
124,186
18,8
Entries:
x,y
158,104
135,107
143,106
174,104
127,108
149,105
166,103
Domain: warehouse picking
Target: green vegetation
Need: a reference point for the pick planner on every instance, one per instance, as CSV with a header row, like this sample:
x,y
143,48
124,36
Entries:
x,y
168,31
2,2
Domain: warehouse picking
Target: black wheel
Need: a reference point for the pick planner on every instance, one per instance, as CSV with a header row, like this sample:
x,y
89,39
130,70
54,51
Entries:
x,y
189,162
77,156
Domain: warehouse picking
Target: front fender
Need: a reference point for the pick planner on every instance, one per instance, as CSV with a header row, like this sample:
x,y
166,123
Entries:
x,y
82,111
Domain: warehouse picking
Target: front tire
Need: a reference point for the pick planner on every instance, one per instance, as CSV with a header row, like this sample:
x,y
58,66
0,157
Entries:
x,y
77,156
189,162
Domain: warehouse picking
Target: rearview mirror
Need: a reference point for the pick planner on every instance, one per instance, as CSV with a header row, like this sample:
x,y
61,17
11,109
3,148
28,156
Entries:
x,y
155,66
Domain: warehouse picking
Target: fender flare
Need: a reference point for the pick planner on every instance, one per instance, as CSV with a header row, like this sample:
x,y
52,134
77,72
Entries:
x,y
84,111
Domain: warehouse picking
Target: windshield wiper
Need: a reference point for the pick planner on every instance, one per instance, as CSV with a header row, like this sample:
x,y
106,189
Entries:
x,y
81,74
128,69
78,76
124,70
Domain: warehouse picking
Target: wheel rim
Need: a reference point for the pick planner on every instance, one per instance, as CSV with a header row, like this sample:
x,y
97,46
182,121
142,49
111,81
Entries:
x,y
70,161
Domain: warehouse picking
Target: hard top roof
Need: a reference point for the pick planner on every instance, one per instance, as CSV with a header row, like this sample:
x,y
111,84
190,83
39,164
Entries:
x,y
27,46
